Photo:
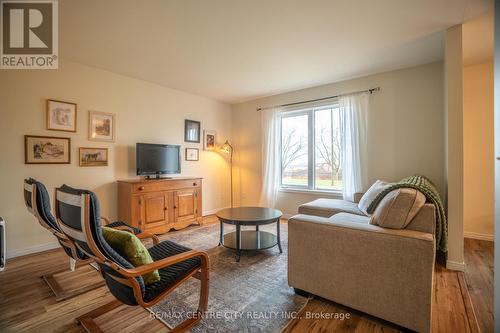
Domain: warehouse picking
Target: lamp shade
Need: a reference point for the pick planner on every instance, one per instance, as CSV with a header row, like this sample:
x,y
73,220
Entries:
x,y
226,147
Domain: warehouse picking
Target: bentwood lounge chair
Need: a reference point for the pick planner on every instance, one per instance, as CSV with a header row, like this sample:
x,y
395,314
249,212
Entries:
x,y
77,213
37,202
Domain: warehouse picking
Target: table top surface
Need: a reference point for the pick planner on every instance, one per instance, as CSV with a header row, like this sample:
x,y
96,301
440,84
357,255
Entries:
x,y
249,214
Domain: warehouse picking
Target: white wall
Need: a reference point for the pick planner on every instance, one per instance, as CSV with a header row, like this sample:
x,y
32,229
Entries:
x,y
405,131
145,113
479,174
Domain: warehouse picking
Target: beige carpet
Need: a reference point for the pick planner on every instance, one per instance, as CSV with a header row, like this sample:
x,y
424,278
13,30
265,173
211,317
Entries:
x,y
249,296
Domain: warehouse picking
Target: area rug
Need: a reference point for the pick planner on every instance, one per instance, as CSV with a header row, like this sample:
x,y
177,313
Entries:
x,y
247,296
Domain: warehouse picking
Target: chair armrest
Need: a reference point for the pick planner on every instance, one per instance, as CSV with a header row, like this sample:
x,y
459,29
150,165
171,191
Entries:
x,y
162,263
146,235
120,225
105,219
142,235
124,228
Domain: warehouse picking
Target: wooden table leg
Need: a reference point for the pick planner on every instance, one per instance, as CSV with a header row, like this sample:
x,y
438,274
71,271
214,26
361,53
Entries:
x,y
278,235
238,242
221,239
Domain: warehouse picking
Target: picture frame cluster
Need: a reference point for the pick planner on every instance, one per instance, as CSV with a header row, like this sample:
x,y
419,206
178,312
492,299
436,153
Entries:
x,y
192,134
62,116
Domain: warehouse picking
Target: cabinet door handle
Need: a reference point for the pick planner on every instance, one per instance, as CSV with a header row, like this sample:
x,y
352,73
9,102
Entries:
x,y
141,188
194,184
175,207
165,208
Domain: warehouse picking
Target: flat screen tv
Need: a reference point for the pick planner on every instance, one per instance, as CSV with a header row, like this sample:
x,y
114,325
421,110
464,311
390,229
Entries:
x,y
156,159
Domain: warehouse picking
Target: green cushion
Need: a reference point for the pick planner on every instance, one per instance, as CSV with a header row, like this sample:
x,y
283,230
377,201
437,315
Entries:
x,y
130,247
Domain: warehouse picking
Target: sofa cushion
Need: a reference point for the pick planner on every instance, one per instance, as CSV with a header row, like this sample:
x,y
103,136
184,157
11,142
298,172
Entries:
x,y
328,207
370,195
349,218
398,208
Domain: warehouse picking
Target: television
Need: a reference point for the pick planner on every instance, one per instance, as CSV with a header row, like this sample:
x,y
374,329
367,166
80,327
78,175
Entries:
x,y
157,159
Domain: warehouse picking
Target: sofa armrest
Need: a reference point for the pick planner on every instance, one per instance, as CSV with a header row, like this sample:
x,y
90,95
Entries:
x,y
363,266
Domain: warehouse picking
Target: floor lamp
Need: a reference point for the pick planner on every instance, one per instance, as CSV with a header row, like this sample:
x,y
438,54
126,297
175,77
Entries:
x,y
227,148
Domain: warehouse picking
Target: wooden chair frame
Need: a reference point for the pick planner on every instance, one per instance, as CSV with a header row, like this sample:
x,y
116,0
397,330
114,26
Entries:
x,y
59,292
130,274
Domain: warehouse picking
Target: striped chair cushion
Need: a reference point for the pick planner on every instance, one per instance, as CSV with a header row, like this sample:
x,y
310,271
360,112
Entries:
x,y
172,274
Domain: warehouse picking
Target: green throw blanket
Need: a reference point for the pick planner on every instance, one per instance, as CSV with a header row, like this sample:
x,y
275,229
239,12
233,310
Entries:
x,y
425,186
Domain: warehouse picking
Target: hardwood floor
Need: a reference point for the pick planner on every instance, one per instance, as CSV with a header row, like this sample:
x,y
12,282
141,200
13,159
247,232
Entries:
x,y
451,312
479,279
28,305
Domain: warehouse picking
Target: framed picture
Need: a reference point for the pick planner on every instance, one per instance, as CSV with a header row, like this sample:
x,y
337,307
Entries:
x,y
102,126
46,150
93,156
192,131
209,140
61,116
192,154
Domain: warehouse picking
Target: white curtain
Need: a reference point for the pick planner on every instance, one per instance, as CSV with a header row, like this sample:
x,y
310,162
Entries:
x,y
353,119
271,159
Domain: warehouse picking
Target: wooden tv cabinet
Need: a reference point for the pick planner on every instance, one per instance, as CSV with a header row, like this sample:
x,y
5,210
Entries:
x,y
158,205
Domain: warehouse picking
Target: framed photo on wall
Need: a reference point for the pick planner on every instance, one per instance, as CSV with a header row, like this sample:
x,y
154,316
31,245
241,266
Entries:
x,y
88,157
209,140
46,150
192,154
102,126
61,116
192,130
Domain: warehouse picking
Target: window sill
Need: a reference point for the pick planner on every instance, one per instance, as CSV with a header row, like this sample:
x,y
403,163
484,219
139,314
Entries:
x,y
335,194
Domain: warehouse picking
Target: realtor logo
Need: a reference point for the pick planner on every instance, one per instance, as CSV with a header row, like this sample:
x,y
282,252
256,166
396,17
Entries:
x,y
29,34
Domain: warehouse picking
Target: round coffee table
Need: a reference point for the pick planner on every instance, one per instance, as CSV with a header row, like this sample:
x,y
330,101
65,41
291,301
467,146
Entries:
x,y
249,239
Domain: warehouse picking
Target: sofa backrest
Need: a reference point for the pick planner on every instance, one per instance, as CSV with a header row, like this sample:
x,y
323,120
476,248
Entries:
x,y
357,197
425,220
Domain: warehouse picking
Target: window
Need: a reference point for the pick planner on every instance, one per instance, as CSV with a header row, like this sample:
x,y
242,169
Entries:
x,y
310,149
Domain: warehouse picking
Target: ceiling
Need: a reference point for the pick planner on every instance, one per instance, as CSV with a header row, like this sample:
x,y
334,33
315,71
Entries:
x,y
237,50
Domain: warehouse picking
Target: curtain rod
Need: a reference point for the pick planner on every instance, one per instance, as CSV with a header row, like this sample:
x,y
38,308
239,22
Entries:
x,y
371,91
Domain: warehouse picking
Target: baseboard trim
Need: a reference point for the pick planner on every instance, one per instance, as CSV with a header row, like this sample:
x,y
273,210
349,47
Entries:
x,y
32,249
479,236
212,211
455,266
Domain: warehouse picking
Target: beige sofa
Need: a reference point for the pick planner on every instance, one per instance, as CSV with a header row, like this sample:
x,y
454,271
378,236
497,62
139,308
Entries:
x,y
335,253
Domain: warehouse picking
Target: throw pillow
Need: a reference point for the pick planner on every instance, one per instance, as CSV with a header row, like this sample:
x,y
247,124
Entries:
x,y
398,208
130,247
370,195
